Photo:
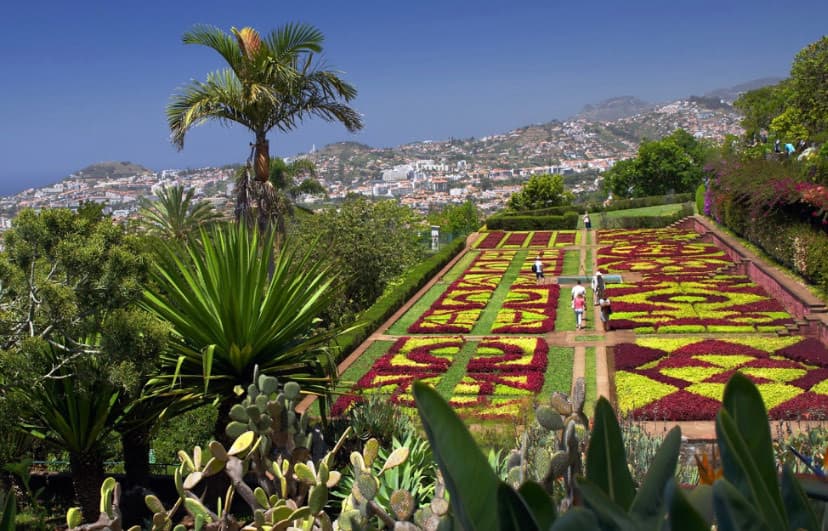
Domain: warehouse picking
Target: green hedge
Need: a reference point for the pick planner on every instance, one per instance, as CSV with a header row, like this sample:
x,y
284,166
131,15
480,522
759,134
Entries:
x,y
650,222
550,211
394,298
567,221
798,245
701,191
641,202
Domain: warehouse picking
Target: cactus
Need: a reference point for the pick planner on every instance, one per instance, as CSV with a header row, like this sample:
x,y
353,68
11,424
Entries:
x,y
551,450
270,412
370,475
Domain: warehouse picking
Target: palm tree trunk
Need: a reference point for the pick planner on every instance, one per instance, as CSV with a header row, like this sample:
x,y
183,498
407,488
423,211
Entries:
x,y
136,445
262,163
87,476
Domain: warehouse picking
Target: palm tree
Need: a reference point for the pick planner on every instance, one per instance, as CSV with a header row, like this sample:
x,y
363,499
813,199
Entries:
x,y
275,200
175,215
272,82
228,313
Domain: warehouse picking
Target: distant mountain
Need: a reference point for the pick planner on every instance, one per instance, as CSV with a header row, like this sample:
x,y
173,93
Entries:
x,y
111,170
730,94
613,109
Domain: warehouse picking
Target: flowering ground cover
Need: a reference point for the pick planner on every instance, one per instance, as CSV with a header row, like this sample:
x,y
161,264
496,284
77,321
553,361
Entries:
x,y
529,239
724,303
660,378
502,374
459,307
530,308
685,288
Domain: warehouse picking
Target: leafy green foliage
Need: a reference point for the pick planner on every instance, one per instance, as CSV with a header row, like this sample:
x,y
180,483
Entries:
x,y
76,350
810,87
761,106
670,165
456,219
368,244
541,191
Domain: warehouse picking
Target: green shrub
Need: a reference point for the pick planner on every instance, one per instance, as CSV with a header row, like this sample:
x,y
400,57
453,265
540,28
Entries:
x,y
191,428
567,221
550,211
700,193
396,296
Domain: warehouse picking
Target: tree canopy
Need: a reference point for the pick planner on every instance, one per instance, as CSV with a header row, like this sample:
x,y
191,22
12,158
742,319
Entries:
x,y
368,244
541,191
796,108
673,164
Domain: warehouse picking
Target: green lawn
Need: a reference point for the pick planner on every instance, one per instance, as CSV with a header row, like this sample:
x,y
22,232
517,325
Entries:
x,y
656,210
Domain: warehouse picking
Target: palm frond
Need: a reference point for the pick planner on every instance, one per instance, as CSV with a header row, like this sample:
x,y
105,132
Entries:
x,y
219,98
292,39
212,37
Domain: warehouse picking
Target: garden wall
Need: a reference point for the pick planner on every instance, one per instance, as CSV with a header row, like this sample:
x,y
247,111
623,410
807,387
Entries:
x,y
810,311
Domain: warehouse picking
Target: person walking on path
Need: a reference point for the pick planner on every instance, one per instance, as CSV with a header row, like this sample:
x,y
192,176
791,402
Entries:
x,y
578,288
537,268
598,286
579,305
606,311
587,222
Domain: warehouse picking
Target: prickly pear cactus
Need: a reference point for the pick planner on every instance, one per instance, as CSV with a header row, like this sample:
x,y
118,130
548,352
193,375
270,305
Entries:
x,y
551,450
268,409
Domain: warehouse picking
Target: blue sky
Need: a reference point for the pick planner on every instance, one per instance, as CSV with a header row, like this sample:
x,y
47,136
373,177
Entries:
x,y
87,81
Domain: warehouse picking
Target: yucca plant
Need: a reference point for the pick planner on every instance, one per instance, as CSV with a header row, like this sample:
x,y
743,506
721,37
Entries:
x,y
233,302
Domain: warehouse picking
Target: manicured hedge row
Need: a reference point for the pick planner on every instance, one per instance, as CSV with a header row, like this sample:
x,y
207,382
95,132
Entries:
x,y
550,211
650,222
800,245
394,298
640,202
567,221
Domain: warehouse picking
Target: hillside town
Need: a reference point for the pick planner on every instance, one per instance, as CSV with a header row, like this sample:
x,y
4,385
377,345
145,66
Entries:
x,y
420,175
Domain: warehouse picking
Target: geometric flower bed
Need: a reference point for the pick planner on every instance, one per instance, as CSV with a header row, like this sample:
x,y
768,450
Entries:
x,y
724,303
501,374
459,307
526,239
670,256
530,308
685,286
660,378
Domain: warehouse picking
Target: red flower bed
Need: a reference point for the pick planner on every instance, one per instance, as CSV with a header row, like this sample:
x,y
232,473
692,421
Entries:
x,y
811,379
719,347
724,377
808,351
491,240
515,239
680,405
807,406
488,380
654,374
506,361
541,239
565,238
533,327
628,356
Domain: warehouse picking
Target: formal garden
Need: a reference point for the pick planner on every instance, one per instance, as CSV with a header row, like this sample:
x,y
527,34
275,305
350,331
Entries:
x,y
318,370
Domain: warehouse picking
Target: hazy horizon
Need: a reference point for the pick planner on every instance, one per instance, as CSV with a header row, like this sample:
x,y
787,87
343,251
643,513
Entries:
x,y
89,82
